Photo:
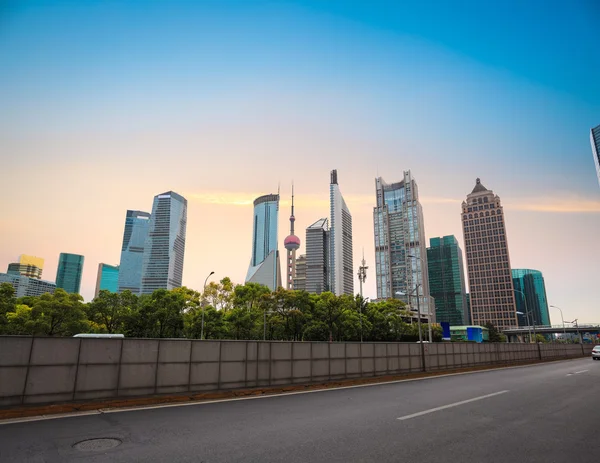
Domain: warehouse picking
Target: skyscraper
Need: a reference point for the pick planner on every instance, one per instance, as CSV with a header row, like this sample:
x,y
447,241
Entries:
x,y
291,244
595,140
341,267
264,264
530,283
107,279
27,266
137,225
68,274
164,249
488,262
447,280
317,257
400,248
300,278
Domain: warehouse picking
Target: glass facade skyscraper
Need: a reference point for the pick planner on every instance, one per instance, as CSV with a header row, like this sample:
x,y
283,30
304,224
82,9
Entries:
x,y
530,283
69,272
317,257
447,280
595,140
107,279
137,224
264,263
400,249
164,249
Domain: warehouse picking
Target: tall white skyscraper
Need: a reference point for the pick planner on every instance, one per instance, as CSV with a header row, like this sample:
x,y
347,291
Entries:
x,y
341,267
595,140
164,249
400,247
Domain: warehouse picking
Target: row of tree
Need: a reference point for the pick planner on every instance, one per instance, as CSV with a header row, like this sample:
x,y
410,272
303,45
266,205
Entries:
x,y
223,311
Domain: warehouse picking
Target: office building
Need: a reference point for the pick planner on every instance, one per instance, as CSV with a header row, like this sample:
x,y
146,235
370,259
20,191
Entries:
x,y
264,265
69,272
317,257
530,297
300,278
137,225
341,266
26,286
488,262
107,279
400,250
164,249
291,244
27,266
447,280
595,140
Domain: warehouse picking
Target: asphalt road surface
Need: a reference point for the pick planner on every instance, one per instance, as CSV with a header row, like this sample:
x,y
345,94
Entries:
x,y
542,413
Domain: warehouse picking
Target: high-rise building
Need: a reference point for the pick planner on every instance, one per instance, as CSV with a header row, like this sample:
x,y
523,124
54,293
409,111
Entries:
x,y
488,262
291,244
27,266
530,284
447,280
317,257
264,264
107,279
69,272
26,286
164,249
137,225
300,278
595,140
400,249
341,267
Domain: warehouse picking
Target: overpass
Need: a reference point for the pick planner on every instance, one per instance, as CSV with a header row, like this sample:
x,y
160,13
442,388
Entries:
x,y
584,328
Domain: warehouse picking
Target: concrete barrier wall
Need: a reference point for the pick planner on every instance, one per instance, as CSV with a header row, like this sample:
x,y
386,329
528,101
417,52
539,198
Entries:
x,y
47,370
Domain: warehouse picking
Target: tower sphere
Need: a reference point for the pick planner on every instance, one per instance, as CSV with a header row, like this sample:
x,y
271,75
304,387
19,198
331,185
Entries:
x,y
291,243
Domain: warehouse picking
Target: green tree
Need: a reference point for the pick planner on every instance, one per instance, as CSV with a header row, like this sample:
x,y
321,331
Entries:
x,y
20,321
220,295
8,303
494,334
108,312
59,314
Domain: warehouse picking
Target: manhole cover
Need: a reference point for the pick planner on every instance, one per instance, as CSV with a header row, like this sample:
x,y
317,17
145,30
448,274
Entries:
x,y
97,445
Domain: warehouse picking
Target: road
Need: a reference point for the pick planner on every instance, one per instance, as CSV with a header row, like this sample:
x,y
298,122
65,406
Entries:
x,y
542,413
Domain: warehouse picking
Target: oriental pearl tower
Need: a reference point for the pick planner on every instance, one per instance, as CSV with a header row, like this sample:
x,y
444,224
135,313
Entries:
x,y
291,243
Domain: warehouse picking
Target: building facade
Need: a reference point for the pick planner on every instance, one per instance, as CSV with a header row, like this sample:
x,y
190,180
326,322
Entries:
x,y
264,265
26,270
529,284
341,266
317,257
137,225
69,272
164,248
300,278
491,292
447,280
595,140
400,249
107,278
26,286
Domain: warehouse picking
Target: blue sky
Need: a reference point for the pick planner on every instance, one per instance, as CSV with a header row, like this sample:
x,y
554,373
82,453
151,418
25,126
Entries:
x,y
105,104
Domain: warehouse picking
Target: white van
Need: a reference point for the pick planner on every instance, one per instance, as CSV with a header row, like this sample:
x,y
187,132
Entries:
x,y
98,335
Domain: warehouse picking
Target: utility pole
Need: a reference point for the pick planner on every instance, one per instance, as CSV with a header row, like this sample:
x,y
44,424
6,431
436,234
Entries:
x,y
362,276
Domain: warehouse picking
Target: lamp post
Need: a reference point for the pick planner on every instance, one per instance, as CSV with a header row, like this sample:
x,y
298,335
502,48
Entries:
x,y
562,318
418,324
527,314
203,299
429,308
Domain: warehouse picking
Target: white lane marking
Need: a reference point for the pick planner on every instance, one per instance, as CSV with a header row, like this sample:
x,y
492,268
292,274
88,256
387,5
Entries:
x,y
270,396
582,371
456,404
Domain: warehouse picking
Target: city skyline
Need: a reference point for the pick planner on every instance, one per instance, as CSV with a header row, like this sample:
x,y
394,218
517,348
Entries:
x,y
445,97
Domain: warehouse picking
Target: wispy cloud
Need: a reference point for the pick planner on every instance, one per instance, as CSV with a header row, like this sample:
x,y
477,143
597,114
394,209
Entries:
x,y
563,205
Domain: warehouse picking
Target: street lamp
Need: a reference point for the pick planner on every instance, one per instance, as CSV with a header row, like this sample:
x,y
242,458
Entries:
x,y
429,308
562,318
418,322
203,299
527,314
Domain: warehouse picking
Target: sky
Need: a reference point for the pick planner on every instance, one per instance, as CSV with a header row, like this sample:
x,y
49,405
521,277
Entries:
x,y
105,104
